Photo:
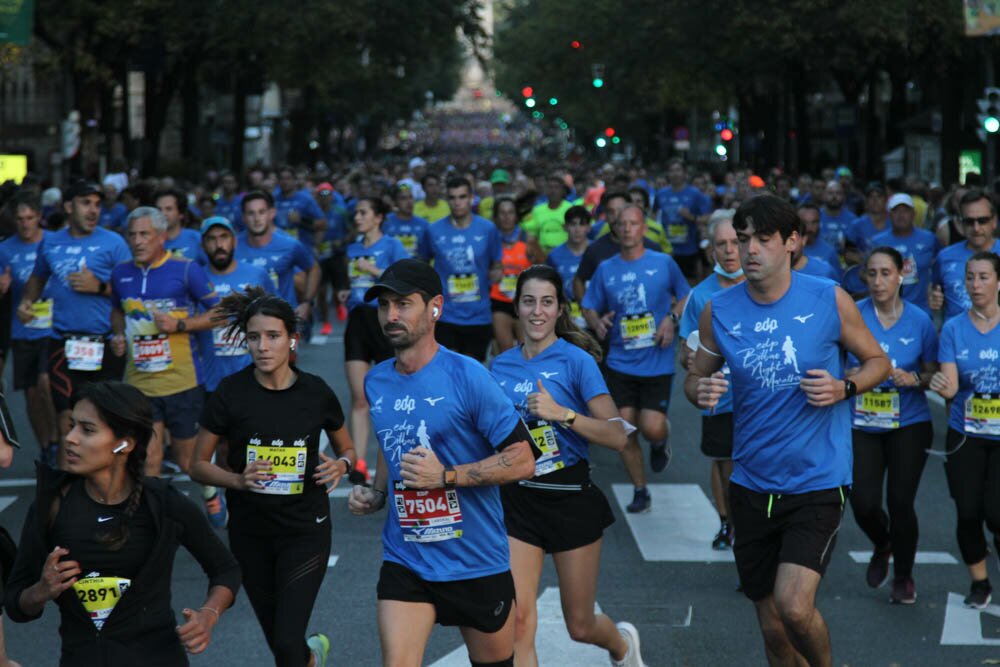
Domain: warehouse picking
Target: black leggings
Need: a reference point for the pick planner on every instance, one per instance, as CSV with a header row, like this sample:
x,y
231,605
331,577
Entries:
x,y
282,575
897,456
974,483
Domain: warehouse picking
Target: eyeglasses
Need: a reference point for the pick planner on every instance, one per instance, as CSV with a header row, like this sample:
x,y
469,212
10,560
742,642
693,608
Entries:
x,y
982,222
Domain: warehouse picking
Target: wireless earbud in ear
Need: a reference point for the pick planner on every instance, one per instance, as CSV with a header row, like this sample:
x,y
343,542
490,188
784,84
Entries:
x,y
291,345
435,312
121,446
901,280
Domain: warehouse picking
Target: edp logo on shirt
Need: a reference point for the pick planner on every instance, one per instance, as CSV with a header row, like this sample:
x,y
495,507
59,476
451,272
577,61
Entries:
x,y
767,325
405,404
989,354
525,387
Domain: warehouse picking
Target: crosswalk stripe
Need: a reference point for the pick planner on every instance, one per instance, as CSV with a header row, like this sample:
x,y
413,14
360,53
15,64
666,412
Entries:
x,y
552,641
331,561
680,526
922,558
6,501
963,626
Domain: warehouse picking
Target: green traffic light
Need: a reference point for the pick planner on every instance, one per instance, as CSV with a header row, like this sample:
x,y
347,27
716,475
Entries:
x,y
601,142
616,140
991,124
553,101
598,82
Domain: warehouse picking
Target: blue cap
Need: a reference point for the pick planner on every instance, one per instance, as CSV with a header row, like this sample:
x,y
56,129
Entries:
x,y
216,221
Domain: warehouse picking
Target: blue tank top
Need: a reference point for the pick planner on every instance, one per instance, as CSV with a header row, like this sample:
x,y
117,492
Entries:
x,y
975,410
572,377
781,444
909,342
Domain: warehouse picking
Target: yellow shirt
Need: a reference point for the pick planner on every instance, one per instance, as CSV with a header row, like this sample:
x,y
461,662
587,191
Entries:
x,y
654,232
431,213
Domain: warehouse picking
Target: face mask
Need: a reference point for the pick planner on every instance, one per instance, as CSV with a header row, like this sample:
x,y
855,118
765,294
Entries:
x,y
732,276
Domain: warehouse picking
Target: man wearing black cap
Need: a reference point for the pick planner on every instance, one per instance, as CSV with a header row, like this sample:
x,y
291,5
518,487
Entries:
x,y
76,263
448,438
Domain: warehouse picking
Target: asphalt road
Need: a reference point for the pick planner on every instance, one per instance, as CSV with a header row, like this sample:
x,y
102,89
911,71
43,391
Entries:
x,y
657,572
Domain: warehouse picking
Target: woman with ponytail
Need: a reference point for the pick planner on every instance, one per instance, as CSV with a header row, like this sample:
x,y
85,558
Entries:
x,y
554,381
100,537
272,415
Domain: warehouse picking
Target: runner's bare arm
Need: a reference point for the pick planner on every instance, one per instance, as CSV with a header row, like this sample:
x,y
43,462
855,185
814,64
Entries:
x,y
859,341
702,382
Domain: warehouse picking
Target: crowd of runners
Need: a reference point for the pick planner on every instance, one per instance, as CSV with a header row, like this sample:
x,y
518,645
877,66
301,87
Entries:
x,y
498,321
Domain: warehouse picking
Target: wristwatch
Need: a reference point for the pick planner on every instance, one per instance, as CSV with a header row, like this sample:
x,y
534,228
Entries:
x,y
182,326
347,462
449,477
850,390
569,418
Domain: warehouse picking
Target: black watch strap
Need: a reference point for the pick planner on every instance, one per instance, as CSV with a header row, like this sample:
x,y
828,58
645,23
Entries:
x,y
850,389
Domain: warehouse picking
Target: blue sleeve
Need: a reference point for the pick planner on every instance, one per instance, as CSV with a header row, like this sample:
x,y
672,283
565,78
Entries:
x,y
301,257
116,297
200,286
936,270
590,382
42,269
946,344
594,298
679,283
398,251
495,251
705,204
929,341
492,411
312,208
689,316
120,250
4,259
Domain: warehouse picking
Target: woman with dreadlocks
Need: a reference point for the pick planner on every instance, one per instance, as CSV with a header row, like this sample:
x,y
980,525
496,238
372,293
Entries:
x,y
272,414
100,537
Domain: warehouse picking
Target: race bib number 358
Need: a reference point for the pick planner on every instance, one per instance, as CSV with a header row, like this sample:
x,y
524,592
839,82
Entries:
x,y
427,515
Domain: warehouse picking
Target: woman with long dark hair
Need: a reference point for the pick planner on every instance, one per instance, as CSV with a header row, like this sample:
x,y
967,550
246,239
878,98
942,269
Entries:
x,y
100,541
554,381
272,415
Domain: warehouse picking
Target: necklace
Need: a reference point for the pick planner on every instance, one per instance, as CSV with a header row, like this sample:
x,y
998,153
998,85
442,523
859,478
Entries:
x,y
988,320
892,317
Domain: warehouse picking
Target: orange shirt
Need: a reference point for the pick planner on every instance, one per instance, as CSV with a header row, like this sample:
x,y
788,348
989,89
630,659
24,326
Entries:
x,y
514,259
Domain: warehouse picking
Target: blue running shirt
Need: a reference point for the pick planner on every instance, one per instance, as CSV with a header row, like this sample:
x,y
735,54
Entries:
x,y
781,444
412,233
187,245
462,258
572,377
918,251
454,407
909,342
20,257
699,296
639,292
682,233
384,252
949,272
975,410
280,257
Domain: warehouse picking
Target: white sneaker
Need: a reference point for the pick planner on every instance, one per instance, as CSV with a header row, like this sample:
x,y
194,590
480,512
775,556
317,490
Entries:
x,y
631,636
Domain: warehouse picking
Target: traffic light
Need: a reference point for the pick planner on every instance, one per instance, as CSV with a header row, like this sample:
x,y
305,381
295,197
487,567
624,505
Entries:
x,y
597,75
601,142
553,101
530,103
609,132
576,44
528,91
989,112
726,134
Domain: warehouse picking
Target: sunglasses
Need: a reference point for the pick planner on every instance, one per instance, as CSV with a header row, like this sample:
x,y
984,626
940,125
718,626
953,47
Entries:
x,y
982,222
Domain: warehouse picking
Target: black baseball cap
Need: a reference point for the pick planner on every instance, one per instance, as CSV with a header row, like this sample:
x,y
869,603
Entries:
x,y
406,277
83,188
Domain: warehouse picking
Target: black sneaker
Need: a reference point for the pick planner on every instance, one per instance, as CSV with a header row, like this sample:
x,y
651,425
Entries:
x,y
721,541
980,594
904,591
659,456
878,568
641,502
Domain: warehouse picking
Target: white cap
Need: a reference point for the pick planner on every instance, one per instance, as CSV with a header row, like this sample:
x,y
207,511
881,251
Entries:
x,y
51,197
900,198
417,162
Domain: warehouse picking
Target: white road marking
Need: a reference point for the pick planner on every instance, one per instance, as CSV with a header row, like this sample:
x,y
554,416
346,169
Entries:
x,y
552,640
923,557
963,626
6,501
318,340
934,397
331,561
679,528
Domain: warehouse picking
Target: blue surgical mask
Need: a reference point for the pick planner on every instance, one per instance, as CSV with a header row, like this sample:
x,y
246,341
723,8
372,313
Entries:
x,y
732,276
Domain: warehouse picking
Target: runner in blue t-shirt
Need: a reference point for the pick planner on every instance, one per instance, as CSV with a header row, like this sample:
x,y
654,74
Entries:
x,y
229,202
296,212
113,212
448,438
410,229
566,258
875,221
364,343
30,342
277,253
979,219
835,218
784,335
555,384
969,353
181,242
330,254
73,265
633,301
467,254
917,246
892,425
716,423
680,208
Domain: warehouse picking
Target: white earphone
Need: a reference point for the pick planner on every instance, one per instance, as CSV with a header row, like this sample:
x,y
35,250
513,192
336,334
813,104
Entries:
x,y
292,345
122,445
901,280
435,312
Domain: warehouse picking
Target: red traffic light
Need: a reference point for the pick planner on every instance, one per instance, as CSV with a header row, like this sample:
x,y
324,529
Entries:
x,y
576,44
609,132
528,91
726,134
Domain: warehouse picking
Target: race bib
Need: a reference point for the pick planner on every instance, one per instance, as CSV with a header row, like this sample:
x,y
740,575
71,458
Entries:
x,y
41,315
910,276
638,331
325,249
228,346
151,354
431,515
361,279
577,315
288,465
878,408
293,232
409,242
84,353
544,436
99,595
463,287
274,279
982,414
508,286
677,233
